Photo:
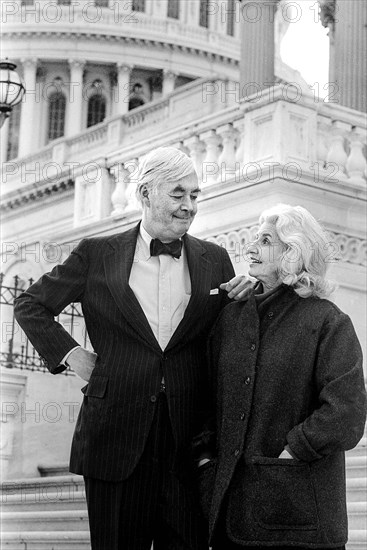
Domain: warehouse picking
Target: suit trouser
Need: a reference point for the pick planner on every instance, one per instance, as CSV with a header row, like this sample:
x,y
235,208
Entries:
x,y
151,505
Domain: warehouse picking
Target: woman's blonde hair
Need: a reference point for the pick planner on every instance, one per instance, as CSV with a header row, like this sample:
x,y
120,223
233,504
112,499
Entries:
x,y
164,164
304,264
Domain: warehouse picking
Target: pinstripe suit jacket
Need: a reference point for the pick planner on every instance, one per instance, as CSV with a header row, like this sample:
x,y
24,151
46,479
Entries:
x,y
120,398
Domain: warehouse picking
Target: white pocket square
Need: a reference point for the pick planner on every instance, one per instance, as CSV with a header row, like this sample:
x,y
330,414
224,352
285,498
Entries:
x,y
214,291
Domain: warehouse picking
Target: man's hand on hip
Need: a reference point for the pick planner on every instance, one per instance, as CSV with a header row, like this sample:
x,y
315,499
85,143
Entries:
x,y
238,287
82,362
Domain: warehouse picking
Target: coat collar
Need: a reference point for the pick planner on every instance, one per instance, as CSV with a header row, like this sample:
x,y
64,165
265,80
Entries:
x,y
118,262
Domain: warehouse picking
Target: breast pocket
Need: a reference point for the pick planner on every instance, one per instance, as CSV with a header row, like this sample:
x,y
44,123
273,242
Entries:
x,y
284,494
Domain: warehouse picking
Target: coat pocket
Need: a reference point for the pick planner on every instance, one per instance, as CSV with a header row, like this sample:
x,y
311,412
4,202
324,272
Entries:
x,y
284,496
96,386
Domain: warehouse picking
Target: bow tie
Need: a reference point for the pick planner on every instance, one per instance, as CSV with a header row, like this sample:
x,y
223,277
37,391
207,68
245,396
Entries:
x,y
173,248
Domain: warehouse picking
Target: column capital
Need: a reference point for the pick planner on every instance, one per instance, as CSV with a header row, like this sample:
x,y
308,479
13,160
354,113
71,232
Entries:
x,y
124,67
29,62
168,73
327,13
77,63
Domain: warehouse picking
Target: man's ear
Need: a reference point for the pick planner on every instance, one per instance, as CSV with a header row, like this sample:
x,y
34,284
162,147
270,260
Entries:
x,y
145,195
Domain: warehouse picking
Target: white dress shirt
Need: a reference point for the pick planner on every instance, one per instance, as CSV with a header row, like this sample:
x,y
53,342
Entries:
x,y
162,287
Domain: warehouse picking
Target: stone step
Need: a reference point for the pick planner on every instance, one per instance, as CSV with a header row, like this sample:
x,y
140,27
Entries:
x,y
44,502
357,516
360,449
46,540
61,520
356,466
48,470
356,489
41,485
357,539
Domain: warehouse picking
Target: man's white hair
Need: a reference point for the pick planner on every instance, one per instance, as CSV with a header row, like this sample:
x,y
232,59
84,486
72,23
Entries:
x,y
164,164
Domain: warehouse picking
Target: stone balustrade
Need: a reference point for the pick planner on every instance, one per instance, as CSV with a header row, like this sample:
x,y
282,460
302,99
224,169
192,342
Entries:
x,y
267,137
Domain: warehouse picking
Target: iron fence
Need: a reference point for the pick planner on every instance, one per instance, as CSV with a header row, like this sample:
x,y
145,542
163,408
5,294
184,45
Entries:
x,y
17,351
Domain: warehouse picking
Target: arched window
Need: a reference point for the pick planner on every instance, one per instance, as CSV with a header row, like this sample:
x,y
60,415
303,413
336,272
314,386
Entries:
x,y
13,134
138,5
231,16
204,15
96,109
173,9
56,115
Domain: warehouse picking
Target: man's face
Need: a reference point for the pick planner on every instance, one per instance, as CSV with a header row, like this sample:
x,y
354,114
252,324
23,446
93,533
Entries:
x,y
169,210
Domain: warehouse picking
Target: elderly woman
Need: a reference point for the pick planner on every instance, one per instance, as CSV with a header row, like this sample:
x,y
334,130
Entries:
x,y
290,399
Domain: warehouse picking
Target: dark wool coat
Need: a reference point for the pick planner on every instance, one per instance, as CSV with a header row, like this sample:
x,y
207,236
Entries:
x,y
294,378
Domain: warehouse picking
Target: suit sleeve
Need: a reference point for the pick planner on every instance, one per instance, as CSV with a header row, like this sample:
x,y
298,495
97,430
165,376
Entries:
x,y
337,424
36,308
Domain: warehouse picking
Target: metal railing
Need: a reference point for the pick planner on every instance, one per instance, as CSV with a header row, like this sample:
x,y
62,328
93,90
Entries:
x,y
17,351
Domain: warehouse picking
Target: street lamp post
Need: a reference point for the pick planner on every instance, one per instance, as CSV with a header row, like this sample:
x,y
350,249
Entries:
x,y
11,89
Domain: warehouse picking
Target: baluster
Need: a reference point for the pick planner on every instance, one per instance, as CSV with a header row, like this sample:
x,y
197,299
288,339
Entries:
x,y
322,151
211,161
132,167
336,154
118,197
356,163
239,126
227,159
197,152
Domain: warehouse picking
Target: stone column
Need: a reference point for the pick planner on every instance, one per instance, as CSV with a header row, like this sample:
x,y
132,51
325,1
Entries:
x,y
26,130
257,63
347,22
121,97
168,82
4,141
75,107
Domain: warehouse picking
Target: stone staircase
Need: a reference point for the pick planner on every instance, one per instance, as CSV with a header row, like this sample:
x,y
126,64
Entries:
x,y
356,464
45,513
50,513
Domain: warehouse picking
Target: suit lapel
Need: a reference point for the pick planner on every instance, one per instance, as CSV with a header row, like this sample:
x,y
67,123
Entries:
x,y
117,263
200,274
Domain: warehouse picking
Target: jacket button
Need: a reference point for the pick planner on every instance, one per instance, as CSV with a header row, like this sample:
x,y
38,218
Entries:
x,y
247,380
153,398
253,347
270,314
237,452
242,417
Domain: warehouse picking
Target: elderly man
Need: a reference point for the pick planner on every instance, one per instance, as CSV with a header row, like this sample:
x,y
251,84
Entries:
x,y
150,296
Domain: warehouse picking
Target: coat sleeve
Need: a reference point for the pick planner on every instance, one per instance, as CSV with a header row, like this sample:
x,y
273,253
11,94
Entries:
x,y
337,423
36,308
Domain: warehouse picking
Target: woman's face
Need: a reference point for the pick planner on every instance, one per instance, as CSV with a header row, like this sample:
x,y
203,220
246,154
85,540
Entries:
x,y
264,255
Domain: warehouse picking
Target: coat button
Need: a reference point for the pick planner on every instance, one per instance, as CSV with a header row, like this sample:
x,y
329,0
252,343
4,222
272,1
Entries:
x,y
253,347
242,417
247,380
153,398
237,452
270,314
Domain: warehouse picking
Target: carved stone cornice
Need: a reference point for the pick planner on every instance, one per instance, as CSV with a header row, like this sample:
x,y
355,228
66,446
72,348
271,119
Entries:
x,y
126,40
33,193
